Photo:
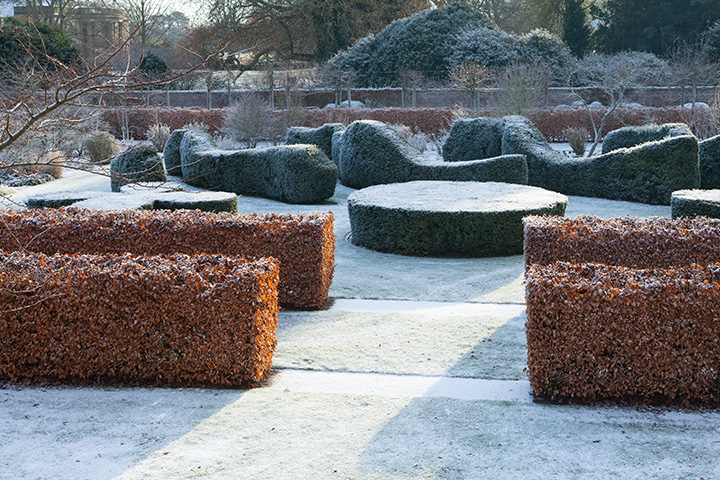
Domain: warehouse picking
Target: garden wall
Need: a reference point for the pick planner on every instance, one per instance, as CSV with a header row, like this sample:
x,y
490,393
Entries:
x,y
631,242
198,321
304,244
597,332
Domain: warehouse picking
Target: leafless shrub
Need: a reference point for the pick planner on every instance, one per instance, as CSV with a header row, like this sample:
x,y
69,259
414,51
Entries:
x,y
158,135
577,137
250,121
522,87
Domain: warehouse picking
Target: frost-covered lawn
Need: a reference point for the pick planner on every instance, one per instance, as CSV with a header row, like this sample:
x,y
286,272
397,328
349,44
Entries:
x,y
414,371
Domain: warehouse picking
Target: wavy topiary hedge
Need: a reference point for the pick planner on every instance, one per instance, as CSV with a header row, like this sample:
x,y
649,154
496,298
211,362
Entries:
x,y
373,153
646,173
627,137
291,173
138,164
321,136
710,163
437,218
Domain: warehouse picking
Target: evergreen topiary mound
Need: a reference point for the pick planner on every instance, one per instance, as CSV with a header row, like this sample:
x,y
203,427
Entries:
x,y
473,139
710,162
291,173
627,137
646,173
171,152
138,164
373,153
439,218
321,136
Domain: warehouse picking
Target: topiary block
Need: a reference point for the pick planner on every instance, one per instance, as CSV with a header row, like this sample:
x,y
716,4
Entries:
x,y
291,173
321,136
438,218
171,152
205,201
373,153
138,164
695,203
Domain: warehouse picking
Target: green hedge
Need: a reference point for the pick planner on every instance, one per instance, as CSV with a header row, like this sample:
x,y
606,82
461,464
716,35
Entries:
x,y
138,164
473,139
171,152
627,137
321,136
646,173
710,163
373,153
292,173
431,218
695,203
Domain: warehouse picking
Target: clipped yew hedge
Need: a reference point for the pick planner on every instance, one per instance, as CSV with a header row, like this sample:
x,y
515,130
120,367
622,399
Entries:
x,y
631,242
304,244
599,332
205,320
320,136
627,137
695,203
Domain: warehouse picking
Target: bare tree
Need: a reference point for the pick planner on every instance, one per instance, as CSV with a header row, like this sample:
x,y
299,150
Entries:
x,y
470,76
521,87
413,80
692,65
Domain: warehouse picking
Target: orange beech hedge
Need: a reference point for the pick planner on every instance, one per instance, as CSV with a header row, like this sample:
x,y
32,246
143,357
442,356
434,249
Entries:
x,y
303,244
598,332
631,242
134,320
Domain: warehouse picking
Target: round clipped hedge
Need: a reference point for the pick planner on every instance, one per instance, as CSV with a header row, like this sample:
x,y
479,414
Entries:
x,y
433,218
695,203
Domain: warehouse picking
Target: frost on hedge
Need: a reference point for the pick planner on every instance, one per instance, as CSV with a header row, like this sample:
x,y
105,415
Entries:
x,y
138,164
695,203
627,137
321,136
171,153
289,173
373,153
646,173
473,139
335,141
710,162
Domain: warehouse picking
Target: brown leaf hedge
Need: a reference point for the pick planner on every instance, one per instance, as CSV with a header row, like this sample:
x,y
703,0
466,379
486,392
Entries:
x,y
601,332
304,244
623,309
178,320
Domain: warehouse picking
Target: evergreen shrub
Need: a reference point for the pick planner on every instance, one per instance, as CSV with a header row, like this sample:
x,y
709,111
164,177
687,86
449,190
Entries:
x,y
138,164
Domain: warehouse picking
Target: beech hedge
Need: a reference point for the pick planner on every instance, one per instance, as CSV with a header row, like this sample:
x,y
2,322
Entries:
x,y
199,321
304,244
655,242
600,332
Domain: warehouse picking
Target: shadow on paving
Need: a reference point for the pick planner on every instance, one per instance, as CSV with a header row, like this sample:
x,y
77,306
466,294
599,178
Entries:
x,y
98,432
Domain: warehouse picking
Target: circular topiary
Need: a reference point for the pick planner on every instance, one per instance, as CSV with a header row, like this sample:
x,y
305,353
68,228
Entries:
x,y
433,218
695,203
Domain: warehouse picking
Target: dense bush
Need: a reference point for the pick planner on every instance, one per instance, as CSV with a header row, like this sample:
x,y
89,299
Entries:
x,y
646,173
320,136
24,43
710,163
101,146
290,173
577,138
373,153
138,164
250,121
421,42
630,136
473,139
